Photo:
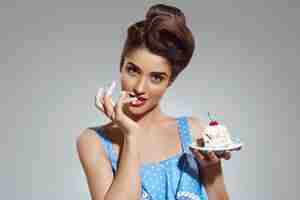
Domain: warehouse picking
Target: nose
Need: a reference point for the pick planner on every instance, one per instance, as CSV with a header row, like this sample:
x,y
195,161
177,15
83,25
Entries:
x,y
140,87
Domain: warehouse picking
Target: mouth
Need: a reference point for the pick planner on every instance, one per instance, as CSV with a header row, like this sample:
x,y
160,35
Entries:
x,y
138,102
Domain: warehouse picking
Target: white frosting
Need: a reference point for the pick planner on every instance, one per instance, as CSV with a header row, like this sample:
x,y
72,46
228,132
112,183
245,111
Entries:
x,y
216,136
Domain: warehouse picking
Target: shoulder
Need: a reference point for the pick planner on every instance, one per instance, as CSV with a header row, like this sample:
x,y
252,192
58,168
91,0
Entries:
x,y
196,126
95,162
88,145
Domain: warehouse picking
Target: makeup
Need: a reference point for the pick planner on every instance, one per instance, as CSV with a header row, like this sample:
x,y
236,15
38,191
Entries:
x,y
139,101
111,88
99,93
110,92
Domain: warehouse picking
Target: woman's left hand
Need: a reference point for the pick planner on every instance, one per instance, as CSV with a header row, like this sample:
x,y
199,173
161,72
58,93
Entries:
x,y
210,158
210,166
210,172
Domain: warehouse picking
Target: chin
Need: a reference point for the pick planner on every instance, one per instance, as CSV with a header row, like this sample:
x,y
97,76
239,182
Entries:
x,y
139,111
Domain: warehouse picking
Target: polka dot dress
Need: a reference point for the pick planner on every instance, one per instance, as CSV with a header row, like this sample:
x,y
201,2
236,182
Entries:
x,y
175,178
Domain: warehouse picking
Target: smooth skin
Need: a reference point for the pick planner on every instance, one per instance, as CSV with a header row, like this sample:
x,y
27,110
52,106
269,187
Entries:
x,y
140,135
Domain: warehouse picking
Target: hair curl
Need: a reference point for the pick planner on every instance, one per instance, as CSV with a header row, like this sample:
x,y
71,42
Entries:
x,y
164,33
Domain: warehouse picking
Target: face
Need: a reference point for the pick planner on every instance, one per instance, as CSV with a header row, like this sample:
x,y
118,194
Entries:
x,y
147,76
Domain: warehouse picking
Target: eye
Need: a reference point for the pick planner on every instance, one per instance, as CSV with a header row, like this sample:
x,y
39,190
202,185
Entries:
x,y
157,78
131,69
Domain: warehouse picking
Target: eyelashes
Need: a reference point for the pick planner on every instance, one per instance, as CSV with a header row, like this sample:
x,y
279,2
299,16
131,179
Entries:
x,y
131,69
157,78
134,71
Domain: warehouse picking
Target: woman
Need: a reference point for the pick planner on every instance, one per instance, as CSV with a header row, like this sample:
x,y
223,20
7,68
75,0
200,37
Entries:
x,y
143,153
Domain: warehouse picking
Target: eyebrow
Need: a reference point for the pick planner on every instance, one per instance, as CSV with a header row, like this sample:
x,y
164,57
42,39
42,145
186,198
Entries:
x,y
156,73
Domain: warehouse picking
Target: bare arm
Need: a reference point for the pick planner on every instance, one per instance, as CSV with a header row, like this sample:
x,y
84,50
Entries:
x,y
213,181
211,174
125,185
97,167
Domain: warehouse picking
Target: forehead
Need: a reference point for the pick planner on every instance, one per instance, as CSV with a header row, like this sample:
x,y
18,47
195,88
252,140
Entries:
x,y
148,61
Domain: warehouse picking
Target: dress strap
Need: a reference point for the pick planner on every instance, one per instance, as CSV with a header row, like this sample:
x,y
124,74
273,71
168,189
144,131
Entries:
x,y
108,148
184,131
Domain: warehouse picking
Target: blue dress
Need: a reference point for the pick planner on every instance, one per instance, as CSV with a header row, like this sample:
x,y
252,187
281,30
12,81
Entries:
x,y
175,178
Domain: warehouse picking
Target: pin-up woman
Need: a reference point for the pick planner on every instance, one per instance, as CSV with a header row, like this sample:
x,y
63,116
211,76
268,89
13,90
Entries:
x,y
143,153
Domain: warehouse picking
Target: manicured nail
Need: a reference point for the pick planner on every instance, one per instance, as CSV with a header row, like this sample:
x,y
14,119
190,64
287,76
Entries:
x,y
100,92
133,98
111,88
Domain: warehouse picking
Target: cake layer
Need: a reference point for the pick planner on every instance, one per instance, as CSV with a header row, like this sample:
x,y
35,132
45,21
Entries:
x,y
216,136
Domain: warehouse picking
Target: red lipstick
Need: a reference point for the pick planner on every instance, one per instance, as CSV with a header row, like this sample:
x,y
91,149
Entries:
x,y
139,102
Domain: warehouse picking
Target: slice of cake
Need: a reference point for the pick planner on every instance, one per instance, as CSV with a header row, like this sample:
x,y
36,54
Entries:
x,y
215,136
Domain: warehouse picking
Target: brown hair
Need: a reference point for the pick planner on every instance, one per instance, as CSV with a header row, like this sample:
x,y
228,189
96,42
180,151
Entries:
x,y
164,33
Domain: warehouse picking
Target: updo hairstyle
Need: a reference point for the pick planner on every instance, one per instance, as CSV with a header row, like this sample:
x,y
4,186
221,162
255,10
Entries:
x,y
164,33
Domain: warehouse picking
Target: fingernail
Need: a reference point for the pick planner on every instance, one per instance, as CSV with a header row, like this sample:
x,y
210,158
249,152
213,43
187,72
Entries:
x,y
133,98
111,88
100,92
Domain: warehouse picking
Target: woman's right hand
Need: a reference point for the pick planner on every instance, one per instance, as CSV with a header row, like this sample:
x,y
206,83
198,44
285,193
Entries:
x,y
103,101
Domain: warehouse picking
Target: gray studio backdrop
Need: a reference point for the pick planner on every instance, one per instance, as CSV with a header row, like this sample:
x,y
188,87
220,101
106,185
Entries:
x,y
55,54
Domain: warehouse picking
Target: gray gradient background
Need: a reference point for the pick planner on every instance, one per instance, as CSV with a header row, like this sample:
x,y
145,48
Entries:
x,y
54,55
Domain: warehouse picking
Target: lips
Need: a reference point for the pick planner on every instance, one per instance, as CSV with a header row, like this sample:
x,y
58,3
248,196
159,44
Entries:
x,y
138,97
139,102
141,98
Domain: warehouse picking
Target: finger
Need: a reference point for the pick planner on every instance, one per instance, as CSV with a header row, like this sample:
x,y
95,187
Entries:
x,y
220,154
227,155
212,157
99,99
112,87
120,103
110,91
100,93
108,107
98,104
129,99
197,154
108,103
123,99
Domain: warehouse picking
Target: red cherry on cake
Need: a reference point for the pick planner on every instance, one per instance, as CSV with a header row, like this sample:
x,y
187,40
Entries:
x,y
213,123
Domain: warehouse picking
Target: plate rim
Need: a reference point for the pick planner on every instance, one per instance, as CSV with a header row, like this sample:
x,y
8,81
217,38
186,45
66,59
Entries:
x,y
235,147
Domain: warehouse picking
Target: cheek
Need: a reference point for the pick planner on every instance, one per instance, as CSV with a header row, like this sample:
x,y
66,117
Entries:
x,y
125,86
126,83
157,92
